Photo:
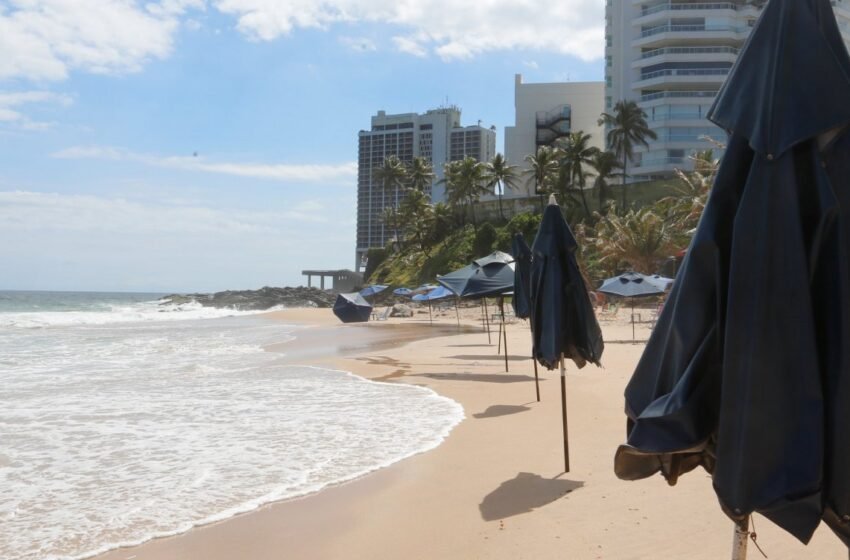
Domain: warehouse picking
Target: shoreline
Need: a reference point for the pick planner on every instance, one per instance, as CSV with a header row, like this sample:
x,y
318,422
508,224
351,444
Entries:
x,y
494,488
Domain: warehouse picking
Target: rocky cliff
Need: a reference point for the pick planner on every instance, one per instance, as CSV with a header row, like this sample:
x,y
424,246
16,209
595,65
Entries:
x,y
257,300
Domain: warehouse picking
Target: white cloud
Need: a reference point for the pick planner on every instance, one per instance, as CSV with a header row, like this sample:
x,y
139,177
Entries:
x,y
10,103
362,44
411,45
46,40
338,174
451,29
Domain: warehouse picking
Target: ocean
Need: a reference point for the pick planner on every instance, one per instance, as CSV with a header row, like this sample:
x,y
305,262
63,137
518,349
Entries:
x,y
122,420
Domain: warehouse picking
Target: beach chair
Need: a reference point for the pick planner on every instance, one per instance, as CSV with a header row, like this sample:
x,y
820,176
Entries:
x,y
381,316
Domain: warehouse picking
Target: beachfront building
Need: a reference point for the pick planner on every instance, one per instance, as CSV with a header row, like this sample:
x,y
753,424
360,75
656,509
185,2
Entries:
x,y
671,57
436,135
546,112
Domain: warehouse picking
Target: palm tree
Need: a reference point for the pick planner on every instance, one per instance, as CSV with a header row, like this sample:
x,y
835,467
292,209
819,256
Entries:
x,y
420,174
498,173
604,163
543,166
417,216
465,184
576,155
627,128
391,176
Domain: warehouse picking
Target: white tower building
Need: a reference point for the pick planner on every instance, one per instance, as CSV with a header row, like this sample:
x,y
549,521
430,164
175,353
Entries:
x,y
672,56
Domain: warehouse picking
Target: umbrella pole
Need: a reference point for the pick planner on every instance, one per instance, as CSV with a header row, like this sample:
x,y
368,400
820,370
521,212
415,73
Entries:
x,y
457,312
633,319
504,329
499,347
486,320
536,381
430,318
739,544
564,413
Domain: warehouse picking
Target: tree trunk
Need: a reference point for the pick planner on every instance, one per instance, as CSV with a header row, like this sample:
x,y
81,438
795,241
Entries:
x,y
584,201
501,214
624,182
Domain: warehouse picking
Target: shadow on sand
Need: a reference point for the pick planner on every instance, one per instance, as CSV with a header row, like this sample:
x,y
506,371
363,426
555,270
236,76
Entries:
x,y
484,377
500,410
487,357
524,493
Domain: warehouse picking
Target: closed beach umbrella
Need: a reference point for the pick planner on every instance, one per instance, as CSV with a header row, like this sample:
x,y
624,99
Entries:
x,y
747,372
563,324
632,285
522,289
372,290
352,308
522,277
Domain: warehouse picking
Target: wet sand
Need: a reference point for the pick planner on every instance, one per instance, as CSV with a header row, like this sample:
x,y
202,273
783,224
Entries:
x,y
496,487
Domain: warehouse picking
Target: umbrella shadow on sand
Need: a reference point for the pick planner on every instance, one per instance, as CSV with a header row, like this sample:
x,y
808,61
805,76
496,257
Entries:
x,y
500,410
485,357
484,377
523,494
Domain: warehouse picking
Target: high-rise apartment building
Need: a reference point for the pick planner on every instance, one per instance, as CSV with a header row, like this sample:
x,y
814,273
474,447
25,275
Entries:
x,y
545,113
671,57
436,136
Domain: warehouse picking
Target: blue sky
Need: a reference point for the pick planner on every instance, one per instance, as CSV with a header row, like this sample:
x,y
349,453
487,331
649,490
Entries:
x,y
203,145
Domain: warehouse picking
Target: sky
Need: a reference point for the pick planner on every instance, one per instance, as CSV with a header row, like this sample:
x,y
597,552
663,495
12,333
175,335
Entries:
x,y
204,145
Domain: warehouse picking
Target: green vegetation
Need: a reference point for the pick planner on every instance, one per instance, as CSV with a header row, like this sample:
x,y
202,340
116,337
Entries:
x,y
433,239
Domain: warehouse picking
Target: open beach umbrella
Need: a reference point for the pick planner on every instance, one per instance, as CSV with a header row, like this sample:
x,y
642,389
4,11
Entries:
x,y
352,308
489,276
438,292
522,289
747,372
403,291
372,290
563,324
632,285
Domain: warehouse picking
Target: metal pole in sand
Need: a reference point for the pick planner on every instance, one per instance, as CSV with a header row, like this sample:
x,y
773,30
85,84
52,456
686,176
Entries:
x,y
536,381
486,320
564,413
739,542
504,329
430,319
457,312
499,347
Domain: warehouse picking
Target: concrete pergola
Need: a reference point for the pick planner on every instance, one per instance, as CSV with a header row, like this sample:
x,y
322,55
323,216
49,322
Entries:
x,y
341,280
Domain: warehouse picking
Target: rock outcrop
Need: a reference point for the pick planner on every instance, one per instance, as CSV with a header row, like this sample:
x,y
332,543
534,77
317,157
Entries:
x,y
257,300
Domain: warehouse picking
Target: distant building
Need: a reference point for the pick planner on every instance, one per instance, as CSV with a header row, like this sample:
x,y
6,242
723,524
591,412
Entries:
x,y
672,56
546,112
436,135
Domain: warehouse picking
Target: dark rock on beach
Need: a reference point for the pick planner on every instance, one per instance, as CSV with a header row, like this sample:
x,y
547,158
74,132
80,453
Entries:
x,y
257,300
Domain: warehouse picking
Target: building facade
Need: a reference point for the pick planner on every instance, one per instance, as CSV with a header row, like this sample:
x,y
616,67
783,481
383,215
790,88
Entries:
x,y
435,135
546,112
671,57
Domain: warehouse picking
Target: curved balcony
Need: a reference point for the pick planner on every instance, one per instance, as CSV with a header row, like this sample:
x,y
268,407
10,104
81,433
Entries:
x,y
673,9
683,76
661,35
687,54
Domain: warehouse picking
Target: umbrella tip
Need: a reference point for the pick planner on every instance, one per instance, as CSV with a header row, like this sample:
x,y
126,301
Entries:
x,y
552,200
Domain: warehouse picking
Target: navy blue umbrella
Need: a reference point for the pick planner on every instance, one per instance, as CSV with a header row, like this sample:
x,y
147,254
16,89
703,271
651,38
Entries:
x,y
522,277
747,372
352,308
563,323
632,285
522,289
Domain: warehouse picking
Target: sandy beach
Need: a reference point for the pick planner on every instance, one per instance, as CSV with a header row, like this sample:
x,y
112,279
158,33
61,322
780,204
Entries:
x,y
496,487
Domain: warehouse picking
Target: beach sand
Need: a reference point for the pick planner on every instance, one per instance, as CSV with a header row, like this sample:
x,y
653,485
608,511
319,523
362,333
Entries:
x,y
495,489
